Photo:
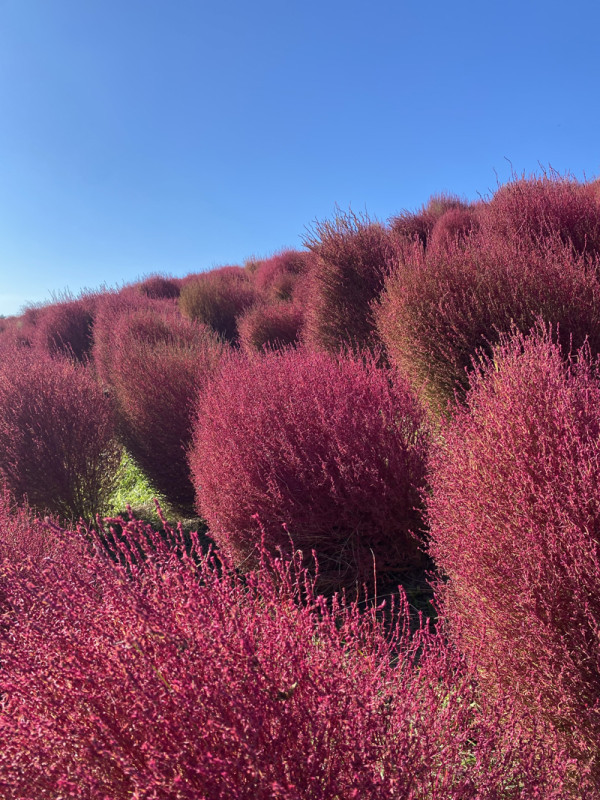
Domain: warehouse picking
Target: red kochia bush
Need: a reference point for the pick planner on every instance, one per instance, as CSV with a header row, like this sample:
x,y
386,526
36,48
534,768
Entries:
x,y
534,209
276,277
56,434
515,525
328,452
65,327
418,226
441,306
217,298
270,325
156,362
159,286
171,679
349,265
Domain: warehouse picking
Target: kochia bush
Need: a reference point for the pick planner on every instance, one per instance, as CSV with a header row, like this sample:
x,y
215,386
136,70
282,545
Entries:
x,y
276,277
57,442
326,452
217,298
174,680
515,525
350,261
535,209
65,327
441,306
270,325
155,362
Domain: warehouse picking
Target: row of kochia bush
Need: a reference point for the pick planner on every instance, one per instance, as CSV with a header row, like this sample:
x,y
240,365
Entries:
x,y
345,445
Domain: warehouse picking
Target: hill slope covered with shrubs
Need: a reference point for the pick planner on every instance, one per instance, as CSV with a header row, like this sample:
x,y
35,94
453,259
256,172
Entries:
x,y
391,441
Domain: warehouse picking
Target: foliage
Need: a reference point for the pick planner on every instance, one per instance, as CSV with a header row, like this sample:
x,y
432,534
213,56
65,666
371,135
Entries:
x,y
350,261
49,449
515,525
157,363
440,307
327,452
270,325
171,679
217,298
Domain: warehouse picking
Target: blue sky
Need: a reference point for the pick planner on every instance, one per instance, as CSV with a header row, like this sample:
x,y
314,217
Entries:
x,y
139,136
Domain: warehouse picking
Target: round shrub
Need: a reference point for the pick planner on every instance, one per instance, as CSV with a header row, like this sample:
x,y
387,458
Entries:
x,y
155,363
57,443
303,450
440,307
217,298
349,265
515,527
535,209
65,328
276,277
270,325
159,286
418,226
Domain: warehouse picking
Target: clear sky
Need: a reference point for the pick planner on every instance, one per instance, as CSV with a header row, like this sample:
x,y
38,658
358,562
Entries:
x,y
139,136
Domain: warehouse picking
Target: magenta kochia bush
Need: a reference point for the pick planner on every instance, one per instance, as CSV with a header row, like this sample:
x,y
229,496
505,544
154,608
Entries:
x,y
178,681
57,441
270,325
515,525
347,271
326,452
276,277
536,209
65,327
155,364
441,306
217,298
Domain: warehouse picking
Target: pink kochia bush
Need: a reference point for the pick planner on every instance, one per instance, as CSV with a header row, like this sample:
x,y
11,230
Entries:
x,y
65,327
350,257
270,325
441,306
57,434
167,678
515,526
305,450
217,298
155,363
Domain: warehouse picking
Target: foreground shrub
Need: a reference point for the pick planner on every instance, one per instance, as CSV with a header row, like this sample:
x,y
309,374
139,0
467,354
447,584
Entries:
x,y
187,682
351,256
440,307
326,452
155,364
217,298
270,325
515,525
57,442
65,327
